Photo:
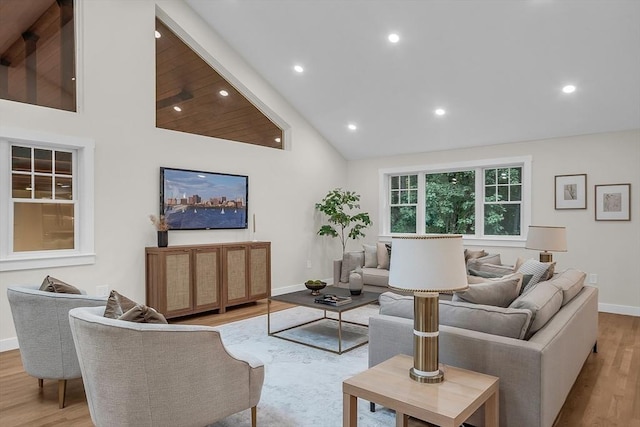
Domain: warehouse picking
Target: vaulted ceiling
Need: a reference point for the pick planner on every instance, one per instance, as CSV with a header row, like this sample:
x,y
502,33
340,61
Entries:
x,y
496,68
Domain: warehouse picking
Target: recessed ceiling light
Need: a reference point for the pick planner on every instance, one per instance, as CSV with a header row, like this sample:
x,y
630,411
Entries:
x,y
223,93
178,109
277,139
394,38
569,89
440,112
352,126
298,68
158,35
201,176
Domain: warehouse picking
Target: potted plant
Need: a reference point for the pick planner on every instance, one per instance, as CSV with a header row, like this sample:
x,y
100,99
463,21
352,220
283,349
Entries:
x,y
338,206
162,226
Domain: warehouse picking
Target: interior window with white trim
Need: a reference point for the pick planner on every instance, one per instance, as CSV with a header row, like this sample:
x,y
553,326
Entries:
x,y
46,200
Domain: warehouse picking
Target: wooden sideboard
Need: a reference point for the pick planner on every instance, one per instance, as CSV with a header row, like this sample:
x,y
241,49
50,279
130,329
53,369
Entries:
x,y
183,280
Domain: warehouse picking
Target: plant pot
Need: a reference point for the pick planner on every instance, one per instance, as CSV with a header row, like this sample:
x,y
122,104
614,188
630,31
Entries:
x,y
163,239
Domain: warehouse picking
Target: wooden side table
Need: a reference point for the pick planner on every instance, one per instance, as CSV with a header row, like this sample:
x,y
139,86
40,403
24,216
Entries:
x,y
447,404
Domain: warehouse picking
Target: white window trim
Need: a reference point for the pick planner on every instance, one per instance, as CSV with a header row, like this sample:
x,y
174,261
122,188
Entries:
x,y
475,240
84,252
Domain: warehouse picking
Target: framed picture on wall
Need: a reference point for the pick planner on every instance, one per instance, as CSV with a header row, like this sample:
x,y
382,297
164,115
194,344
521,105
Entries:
x,y
613,202
571,191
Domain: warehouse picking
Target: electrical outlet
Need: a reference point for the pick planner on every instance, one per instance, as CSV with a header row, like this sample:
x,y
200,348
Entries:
x,y
102,291
593,278
308,263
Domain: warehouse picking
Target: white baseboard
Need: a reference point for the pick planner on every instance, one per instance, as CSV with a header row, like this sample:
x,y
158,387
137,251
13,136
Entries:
x,y
8,344
627,310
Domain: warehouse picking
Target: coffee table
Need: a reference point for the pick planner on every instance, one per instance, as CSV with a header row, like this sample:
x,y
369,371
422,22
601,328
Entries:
x,y
305,299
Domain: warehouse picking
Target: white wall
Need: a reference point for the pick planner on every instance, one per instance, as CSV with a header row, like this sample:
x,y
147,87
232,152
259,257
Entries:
x,y
117,90
608,248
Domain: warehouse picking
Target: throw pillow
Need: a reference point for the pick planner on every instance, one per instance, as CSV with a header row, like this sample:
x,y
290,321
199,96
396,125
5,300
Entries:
x,y
51,284
117,305
484,274
142,314
370,256
473,254
538,271
350,261
383,256
550,271
497,292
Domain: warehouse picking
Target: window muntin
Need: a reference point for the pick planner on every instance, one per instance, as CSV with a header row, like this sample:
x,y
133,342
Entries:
x,y
506,218
403,194
42,199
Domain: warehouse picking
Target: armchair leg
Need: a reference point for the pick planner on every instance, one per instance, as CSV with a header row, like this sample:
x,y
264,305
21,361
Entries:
x,y
254,416
40,382
62,390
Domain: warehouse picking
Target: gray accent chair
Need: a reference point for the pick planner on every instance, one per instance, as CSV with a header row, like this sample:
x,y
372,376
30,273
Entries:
x,y
144,374
41,321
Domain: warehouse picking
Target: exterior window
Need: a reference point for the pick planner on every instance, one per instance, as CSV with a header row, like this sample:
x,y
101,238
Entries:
x,y
502,201
46,200
482,200
450,203
404,203
42,198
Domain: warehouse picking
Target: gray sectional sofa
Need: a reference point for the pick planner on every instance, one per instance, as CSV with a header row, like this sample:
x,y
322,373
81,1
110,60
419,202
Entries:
x,y
536,346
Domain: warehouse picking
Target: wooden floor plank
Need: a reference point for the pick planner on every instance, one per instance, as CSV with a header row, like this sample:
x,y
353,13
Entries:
x,y
606,393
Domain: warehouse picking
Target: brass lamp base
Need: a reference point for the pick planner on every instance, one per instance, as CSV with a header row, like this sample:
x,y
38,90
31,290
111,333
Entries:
x,y
546,256
425,339
438,378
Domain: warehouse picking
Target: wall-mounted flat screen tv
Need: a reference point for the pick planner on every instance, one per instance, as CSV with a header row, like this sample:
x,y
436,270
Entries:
x,y
197,200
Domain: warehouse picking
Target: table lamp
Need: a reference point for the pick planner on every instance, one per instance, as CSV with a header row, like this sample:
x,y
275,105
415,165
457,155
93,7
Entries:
x,y
546,238
427,265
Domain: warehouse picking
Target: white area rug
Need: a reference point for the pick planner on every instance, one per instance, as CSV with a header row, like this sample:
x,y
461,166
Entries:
x,y
303,385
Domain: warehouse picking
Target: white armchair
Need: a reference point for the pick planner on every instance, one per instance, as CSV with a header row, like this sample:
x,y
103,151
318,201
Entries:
x,y
46,346
147,374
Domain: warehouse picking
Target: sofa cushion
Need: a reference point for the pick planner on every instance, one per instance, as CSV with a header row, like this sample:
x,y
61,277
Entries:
x,y
497,292
51,284
370,256
375,276
350,261
507,322
570,282
393,304
383,255
543,300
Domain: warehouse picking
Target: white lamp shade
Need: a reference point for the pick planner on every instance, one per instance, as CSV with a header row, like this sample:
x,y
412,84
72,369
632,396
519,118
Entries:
x,y
546,238
428,263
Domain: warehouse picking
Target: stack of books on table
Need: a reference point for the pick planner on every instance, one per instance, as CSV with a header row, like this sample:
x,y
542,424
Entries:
x,y
331,299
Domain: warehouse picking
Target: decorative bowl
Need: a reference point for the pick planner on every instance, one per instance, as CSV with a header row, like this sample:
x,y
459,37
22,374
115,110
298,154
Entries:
x,y
315,287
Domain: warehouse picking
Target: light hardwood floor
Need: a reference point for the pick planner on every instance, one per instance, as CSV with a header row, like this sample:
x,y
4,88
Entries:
x,y
607,392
